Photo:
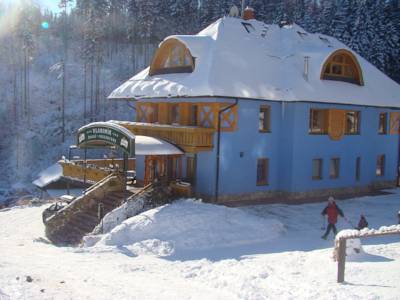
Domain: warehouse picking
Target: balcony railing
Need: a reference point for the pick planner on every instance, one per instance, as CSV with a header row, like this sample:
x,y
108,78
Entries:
x,y
94,170
189,138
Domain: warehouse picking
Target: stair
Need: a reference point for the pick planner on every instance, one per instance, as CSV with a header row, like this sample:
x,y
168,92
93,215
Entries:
x,y
69,225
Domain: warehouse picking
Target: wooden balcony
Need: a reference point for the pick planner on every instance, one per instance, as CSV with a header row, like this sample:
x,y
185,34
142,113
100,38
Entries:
x,y
190,139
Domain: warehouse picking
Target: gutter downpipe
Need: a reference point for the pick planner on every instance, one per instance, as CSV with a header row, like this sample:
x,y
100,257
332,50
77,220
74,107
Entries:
x,y
218,147
398,155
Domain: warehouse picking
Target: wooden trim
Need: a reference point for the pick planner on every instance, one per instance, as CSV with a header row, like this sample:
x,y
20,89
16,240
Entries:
x,y
229,118
206,114
172,49
336,124
357,78
163,113
189,139
394,123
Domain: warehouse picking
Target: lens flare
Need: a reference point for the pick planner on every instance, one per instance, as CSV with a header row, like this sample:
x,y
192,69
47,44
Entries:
x,y
45,25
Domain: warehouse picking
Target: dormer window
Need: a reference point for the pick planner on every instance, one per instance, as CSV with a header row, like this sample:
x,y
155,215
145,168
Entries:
x,y
172,57
342,65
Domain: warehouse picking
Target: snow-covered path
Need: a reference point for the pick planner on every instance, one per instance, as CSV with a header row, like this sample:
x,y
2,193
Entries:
x,y
295,265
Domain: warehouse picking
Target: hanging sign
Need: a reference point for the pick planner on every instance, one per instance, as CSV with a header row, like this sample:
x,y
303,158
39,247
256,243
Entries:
x,y
106,133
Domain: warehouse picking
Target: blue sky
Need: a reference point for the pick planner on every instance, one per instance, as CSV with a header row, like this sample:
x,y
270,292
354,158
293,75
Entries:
x,y
50,4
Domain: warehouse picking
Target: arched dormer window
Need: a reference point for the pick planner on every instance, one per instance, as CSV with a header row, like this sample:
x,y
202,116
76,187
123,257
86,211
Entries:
x,y
342,65
172,57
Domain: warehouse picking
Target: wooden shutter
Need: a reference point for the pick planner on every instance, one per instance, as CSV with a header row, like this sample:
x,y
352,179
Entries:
x,y
336,124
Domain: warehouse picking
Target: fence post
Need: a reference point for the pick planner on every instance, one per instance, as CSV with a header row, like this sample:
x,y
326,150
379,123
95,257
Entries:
x,y
341,259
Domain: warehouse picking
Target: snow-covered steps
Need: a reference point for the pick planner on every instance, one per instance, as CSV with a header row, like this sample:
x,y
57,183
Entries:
x,y
69,225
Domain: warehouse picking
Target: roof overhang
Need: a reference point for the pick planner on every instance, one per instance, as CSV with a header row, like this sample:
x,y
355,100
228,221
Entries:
x,y
147,145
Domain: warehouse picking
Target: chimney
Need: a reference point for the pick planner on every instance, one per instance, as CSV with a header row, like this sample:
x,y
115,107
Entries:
x,y
248,14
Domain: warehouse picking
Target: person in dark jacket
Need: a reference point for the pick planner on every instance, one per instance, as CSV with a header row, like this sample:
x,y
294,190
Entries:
x,y
332,211
362,223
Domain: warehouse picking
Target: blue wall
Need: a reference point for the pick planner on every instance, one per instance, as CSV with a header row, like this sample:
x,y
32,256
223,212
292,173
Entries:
x,y
291,149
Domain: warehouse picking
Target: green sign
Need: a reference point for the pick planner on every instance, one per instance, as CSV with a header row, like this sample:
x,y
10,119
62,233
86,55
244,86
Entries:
x,y
98,134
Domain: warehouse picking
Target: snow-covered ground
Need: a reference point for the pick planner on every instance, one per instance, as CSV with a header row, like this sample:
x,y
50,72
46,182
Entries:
x,y
190,250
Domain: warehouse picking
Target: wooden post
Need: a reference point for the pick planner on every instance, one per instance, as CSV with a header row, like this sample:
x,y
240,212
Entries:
x,y
341,259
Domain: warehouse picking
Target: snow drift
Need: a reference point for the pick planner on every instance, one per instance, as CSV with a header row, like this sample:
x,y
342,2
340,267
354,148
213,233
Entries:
x,y
190,225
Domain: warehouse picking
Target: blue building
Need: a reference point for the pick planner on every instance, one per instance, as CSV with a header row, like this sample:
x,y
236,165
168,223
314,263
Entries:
x,y
265,112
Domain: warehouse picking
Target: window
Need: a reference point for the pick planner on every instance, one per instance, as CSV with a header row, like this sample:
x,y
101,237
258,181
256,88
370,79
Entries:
x,y
380,165
173,115
352,122
317,169
318,121
172,57
382,129
264,119
342,65
262,171
358,168
334,168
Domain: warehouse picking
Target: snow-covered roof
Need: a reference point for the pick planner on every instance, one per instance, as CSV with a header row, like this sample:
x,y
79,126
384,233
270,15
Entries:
x,y
147,145
50,175
262,61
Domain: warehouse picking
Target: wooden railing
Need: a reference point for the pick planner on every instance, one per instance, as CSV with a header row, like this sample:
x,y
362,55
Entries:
x,y
340,244
107,162
79,172
189,138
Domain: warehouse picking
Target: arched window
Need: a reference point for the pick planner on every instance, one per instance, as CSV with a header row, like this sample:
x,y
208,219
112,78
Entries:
x,y
172,57
342,65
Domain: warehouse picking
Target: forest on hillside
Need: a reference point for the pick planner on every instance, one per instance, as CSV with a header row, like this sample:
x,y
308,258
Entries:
x,y
57,69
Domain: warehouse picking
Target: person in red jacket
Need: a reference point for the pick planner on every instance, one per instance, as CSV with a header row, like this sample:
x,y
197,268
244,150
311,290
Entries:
x,y
333,211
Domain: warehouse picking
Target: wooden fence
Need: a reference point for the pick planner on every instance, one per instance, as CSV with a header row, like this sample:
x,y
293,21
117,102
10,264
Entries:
x,y
340,244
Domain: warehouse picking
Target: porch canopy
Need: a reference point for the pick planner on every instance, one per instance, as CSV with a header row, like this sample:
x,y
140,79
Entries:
x,y
147,145
106,134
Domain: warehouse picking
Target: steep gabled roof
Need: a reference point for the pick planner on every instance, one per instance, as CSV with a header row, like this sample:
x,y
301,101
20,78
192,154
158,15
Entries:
x,y
249,59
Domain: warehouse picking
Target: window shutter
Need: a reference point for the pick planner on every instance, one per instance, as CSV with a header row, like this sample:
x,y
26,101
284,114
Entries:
x,y
337,122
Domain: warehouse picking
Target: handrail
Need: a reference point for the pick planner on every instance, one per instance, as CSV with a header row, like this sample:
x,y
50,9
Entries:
x,y
142,190
99,183
85,195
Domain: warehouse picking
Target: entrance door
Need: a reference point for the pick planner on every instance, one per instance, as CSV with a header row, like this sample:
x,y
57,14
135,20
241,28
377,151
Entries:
x,y
154,168
191,163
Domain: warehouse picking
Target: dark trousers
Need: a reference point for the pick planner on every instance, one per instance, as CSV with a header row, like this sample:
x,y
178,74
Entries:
x,y
328,229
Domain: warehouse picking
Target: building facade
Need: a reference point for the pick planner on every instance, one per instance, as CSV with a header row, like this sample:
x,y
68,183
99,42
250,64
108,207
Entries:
x,y
267,113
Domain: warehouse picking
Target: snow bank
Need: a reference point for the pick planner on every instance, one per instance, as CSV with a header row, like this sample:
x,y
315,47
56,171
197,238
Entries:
x,y
190,225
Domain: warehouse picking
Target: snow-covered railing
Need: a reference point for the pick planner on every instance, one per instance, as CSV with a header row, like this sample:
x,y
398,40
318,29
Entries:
x,y
138,193
344,235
